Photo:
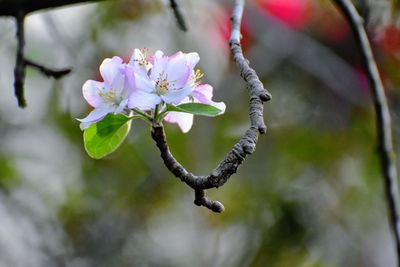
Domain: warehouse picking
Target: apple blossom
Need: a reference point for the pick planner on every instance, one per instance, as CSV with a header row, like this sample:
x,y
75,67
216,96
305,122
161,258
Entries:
x,y
109,96
152,88
161,78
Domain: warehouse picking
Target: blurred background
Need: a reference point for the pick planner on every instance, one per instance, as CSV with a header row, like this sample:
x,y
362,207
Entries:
x,y
311,195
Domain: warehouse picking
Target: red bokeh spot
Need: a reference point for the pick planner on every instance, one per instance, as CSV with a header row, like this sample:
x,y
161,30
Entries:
x,y
333,29
391,41
295,13
224,26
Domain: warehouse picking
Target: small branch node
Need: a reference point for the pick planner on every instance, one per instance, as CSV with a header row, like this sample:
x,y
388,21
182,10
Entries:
x,y
56,74
202,200
265,96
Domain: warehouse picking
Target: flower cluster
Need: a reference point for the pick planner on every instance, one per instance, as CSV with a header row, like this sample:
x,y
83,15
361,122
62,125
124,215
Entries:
x,y
157,87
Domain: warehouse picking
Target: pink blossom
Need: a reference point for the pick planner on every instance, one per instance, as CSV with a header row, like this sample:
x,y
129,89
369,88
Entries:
x,y
110,96
201,94
145,83
161,78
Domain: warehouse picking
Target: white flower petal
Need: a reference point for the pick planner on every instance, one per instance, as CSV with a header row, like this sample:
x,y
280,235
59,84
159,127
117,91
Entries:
x,y
203,94
118,84
96,115
159,65
130,82
143,81
109,69
184,120
176,96
91,92
143,100
177,71
192,59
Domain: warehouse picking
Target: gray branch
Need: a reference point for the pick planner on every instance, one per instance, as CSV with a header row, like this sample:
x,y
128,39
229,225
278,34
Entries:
x,y
246,145
383,122
55,73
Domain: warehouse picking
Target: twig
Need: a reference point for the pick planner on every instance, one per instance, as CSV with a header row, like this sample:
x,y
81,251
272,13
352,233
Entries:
x,y
56,74
245,146
202,200
19,70
383,121
22,62
178,15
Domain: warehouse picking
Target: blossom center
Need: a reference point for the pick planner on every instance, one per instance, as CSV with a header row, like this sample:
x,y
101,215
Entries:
x,y
162,86
110,96
142,60
194,79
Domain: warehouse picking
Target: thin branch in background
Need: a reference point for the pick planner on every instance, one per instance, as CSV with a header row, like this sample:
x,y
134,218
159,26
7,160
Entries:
x,y
13,7
19,70
56,74
383,122
21,63
178,15
246,145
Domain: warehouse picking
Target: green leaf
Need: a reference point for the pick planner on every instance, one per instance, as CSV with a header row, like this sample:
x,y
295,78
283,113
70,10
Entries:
x,y
105,136
196,109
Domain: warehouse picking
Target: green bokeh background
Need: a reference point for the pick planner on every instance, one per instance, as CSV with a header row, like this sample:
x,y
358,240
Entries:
x,y
311,194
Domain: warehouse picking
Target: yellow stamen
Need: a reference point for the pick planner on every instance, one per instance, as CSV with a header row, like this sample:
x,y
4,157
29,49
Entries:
x,y
143,61
162,86
109,96
198,74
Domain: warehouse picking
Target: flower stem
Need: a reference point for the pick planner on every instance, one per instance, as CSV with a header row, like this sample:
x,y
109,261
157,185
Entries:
x,y
156,116
144,115
141,118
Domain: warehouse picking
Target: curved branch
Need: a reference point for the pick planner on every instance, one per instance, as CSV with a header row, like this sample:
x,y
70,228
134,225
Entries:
x,y
383,121
246,144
